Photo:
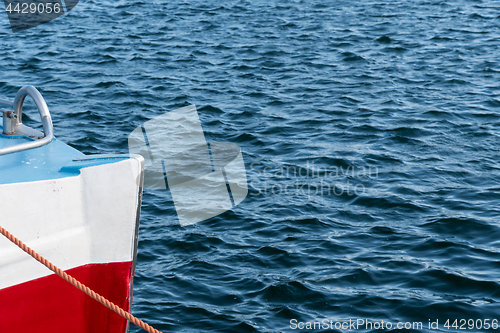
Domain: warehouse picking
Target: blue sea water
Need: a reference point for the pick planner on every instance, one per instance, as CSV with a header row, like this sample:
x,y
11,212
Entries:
x,y
370,132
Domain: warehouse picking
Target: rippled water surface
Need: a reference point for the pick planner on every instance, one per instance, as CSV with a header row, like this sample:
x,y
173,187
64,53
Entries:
x,y
370,133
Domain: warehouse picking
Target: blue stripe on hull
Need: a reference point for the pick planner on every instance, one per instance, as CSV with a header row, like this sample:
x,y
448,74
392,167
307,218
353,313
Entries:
x,y
54,161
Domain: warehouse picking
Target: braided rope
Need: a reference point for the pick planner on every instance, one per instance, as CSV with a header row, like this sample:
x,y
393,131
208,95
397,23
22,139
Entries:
x,y
77,284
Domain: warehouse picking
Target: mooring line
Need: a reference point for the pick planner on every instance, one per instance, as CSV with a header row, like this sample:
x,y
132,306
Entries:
x,y
110,305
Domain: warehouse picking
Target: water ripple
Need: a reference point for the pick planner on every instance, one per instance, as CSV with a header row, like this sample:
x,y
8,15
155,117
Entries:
x,y
369,132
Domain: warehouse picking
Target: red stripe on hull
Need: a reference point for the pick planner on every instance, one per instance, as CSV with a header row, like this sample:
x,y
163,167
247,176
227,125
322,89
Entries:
x,y
52,305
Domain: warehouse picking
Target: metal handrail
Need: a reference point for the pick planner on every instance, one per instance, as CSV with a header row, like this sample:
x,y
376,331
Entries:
x,y
48,129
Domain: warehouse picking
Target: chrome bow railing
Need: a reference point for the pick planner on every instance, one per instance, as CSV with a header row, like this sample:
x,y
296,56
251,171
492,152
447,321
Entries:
x,y
12,121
